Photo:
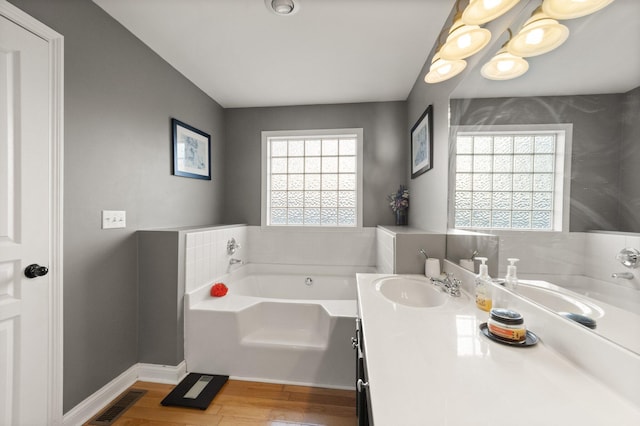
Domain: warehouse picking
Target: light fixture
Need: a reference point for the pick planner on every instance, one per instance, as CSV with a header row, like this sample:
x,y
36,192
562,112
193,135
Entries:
x,y
482,11
569,9
444,69
464,40
283,7
540,34
504,66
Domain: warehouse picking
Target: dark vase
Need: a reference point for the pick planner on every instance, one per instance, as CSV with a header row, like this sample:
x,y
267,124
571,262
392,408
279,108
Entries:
x,y
402,217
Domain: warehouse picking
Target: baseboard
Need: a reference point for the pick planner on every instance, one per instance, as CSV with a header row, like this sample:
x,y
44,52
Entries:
x,y
82,412
162,373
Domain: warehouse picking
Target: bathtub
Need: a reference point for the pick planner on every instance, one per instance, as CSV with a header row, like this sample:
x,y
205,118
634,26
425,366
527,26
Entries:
x,y
278,323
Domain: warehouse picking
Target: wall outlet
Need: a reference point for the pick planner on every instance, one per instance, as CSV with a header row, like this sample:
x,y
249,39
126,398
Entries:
x,y
114,219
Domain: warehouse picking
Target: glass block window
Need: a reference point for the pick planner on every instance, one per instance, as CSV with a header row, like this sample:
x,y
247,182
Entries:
x,y
312,179
508,180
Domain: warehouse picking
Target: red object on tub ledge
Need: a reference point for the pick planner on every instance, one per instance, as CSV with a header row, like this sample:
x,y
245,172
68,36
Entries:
x,y
218,290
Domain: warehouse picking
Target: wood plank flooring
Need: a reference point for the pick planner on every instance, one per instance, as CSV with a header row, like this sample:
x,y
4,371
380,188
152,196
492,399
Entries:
x,y
241,403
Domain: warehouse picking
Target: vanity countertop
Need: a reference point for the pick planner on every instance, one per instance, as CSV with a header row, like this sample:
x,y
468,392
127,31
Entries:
x,y
434,366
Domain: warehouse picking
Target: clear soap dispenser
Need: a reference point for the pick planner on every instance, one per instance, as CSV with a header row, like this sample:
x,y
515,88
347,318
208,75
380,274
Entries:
x,y
511,280
483,286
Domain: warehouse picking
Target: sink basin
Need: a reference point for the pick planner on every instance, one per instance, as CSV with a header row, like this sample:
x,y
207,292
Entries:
x,y
410,292
560,302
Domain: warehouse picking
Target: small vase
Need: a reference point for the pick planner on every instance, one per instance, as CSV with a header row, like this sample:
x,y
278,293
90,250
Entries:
x,y
402,217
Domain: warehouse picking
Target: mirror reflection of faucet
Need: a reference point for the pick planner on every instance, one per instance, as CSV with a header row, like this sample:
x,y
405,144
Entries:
x,y
469,264
623,275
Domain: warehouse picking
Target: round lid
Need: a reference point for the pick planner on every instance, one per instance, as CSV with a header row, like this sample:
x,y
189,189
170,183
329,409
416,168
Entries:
x,y
582,319
506,316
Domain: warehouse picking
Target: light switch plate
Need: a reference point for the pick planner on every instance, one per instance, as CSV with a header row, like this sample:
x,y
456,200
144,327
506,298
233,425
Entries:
x,y
112,219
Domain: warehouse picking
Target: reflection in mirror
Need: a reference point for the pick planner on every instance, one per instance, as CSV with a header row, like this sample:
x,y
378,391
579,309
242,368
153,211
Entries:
x,y
549,163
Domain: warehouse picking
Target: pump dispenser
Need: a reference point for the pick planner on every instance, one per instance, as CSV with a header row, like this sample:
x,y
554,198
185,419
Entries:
x,y
511,280
483,286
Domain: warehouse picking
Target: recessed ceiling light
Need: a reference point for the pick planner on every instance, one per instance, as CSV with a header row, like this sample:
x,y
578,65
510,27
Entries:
x,y
283,7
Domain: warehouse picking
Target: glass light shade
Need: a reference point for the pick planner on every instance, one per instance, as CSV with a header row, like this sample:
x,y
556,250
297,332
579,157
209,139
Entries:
x,y
504,66
464,41
482,11
283,7
540,34
443,69
570,9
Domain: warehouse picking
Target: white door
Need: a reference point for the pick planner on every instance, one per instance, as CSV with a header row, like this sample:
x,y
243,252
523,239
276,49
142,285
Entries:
x,y
24,226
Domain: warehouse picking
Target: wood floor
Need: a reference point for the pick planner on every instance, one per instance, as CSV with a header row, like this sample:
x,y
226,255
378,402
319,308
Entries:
x,y
242,403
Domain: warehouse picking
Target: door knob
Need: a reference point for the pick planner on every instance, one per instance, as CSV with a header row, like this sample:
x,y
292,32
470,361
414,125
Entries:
x,y
35,270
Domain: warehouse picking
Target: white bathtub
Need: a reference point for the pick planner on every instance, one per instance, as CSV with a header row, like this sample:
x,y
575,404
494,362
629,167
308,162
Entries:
x,y
272,326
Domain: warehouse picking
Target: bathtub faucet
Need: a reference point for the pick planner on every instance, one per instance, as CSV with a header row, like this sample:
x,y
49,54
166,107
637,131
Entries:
x,y
233,261
623,275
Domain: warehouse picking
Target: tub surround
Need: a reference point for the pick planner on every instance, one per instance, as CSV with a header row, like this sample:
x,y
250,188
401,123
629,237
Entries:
x,y
346,247
397,248
172,261
444,371
175,261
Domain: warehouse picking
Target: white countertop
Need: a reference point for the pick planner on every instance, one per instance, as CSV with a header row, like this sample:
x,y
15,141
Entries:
x,y
434,366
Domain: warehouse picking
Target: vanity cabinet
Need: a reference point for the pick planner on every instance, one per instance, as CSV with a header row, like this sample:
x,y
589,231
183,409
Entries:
x,y
362,381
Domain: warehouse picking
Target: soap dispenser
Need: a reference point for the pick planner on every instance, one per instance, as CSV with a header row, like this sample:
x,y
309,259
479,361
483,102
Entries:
x,y
483,286
511,280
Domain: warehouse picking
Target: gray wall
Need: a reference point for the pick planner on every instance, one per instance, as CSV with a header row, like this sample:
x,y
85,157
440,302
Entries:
x,y
630,163
596,151
160,289
385,152
119,98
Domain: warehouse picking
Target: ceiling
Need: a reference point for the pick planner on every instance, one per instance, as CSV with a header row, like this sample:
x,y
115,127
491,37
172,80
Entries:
x,y
344,51
330,51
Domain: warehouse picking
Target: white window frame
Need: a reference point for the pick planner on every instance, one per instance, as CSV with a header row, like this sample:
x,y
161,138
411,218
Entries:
x,y
562,187
309,134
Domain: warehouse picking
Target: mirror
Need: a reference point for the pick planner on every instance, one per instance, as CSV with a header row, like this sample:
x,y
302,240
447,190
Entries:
x,y
592,83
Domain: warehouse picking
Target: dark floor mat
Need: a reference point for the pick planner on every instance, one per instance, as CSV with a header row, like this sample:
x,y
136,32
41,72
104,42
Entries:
x,y
197,390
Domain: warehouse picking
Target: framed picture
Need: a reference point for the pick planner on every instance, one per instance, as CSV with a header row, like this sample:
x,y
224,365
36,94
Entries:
x,y
422,144
191,151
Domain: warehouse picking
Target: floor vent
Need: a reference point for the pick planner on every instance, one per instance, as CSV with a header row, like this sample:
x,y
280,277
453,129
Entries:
x,y
115,410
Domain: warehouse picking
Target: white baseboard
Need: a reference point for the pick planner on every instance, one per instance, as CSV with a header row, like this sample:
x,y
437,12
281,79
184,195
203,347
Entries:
x,y
162,373
99,400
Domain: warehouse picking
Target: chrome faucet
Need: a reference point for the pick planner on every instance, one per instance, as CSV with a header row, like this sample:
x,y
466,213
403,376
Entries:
x,y
233,261
623,275
449,284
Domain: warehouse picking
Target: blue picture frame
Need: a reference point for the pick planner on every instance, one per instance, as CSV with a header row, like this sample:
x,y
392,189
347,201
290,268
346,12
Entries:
x,y
191,151
422,144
